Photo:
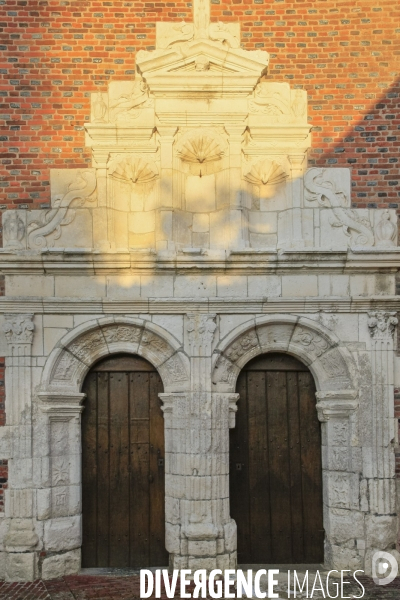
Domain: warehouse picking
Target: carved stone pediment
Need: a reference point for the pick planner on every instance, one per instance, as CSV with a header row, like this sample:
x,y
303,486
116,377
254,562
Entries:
x,y
166,71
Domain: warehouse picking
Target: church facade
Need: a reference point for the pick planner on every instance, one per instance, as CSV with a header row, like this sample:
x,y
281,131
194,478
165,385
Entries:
x,y
199,332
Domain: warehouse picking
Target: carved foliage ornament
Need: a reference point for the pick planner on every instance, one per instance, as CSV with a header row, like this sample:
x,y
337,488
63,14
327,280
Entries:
x,y
314,343
201,328
321,189
242,346
382,324
18,329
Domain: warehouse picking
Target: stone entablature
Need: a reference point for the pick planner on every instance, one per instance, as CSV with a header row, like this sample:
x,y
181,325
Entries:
x,y
198,239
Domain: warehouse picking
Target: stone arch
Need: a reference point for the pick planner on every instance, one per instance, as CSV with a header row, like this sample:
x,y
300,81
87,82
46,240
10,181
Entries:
x,y
73,356
330,363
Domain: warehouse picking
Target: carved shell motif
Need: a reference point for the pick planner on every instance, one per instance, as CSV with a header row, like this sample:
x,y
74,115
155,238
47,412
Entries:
x,y
133,169
200,152
266,172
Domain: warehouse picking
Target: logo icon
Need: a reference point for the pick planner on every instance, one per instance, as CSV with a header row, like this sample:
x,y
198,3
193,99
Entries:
x,y
384,568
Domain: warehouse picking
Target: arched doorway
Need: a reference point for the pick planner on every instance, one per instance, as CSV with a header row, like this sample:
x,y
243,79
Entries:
x,y
123,465
275,464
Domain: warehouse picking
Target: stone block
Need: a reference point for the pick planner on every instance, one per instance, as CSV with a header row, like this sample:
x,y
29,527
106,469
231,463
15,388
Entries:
x,y
172,538
195,562
65,321
223,563
299,285
29,285
52,336
229,286
72,286
142,222
195,286
230,534
263,222
202,547
62,534
59,565
21,567
343,525
269,286
381,531
156,286
123,287
201,223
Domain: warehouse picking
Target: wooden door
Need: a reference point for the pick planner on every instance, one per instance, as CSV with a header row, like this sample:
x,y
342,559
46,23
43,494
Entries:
x,y
275,464
123,465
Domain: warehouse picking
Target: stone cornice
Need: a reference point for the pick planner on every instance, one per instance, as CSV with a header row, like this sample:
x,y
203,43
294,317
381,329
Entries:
x,y
87,262
251,306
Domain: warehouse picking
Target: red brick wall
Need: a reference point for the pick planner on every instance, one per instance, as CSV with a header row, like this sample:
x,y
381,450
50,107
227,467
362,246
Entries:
x,y
55,52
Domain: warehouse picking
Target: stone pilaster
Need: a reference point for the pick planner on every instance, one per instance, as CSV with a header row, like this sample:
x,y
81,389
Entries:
x,y
21,537
164,233
381,469
199,531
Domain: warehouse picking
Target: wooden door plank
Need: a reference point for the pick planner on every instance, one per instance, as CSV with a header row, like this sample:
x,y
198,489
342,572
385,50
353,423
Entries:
x,y
139,465
311,470
103,469
296,495
279,465
119,470
158,554
260,525
238,478
89,470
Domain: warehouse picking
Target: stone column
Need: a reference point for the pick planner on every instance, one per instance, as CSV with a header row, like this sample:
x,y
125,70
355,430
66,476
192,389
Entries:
x,y
164,225
378,452
21,537
199,531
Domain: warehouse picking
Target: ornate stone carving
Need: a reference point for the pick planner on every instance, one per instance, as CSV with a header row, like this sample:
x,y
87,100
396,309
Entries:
x,y
242,346
201,19
87,345
99,108
13,229
385,231
200,151
18,329
154,343
278,102
200,329
313,342
175,370
382,324
122,333
79,190
266,172
65,367
133,169
224,370
222,32
328,320
128,107
333,364
320,188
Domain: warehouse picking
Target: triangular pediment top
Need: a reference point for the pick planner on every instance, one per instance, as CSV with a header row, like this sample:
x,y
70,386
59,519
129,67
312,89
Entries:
x,y
203,56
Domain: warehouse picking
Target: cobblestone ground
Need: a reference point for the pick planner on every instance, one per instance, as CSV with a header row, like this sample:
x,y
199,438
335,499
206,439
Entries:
x,y
89,587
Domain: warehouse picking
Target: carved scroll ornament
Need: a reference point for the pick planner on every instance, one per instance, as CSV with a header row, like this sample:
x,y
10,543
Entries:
x,y
319,188
81,189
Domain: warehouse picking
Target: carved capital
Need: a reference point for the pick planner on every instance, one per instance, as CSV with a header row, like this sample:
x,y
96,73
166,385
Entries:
x,y
338,404
382,324
200,329
18,329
